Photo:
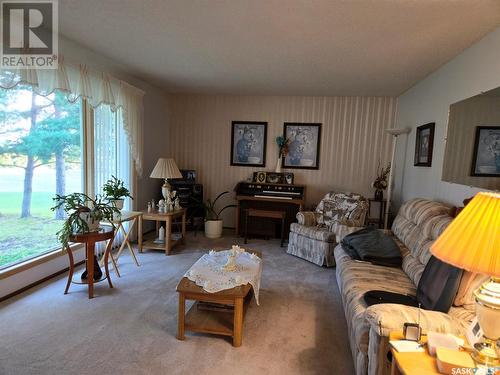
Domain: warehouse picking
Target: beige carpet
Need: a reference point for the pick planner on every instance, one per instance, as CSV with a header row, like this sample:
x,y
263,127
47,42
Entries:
x,y
298,329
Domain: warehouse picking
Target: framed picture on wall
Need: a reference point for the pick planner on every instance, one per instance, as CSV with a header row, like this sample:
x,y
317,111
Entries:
x,y
486,154
424,143
248,143
303,147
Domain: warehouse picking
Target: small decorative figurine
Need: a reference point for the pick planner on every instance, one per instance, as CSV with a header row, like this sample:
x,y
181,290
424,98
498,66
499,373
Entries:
x,y
231,259
177,204
161,206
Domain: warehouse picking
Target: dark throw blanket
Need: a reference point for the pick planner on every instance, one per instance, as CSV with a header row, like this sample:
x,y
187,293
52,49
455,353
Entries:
x,y
372,245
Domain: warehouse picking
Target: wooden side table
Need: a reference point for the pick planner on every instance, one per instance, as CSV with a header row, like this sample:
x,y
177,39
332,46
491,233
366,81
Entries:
x,y
90,239
412,363
168,218
379,221
418,363
126,216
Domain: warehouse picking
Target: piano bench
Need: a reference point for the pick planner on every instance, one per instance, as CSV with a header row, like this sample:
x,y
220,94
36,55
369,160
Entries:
x,y
268,214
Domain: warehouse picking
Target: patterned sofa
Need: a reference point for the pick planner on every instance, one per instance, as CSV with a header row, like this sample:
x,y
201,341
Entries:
x,y
418,223
315,235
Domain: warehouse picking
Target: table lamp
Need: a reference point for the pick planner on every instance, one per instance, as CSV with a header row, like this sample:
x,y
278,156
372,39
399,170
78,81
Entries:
x,y
472,242
166,168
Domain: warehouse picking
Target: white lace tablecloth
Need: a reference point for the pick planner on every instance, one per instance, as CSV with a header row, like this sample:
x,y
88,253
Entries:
x,y
207,272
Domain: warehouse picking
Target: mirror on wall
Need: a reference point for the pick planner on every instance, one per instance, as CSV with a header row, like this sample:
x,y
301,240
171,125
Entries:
x,y
472,154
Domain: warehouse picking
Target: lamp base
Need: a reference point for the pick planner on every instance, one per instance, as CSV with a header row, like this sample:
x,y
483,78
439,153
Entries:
x,y
486,353
165,190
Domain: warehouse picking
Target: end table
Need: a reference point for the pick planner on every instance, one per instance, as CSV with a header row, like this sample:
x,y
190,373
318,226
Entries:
x,y
90,239
168,218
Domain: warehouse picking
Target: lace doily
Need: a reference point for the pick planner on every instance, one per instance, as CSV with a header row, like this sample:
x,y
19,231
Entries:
x,y
207,272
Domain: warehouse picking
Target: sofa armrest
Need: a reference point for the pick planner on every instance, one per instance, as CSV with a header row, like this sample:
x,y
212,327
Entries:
x,y
387,317
342,230
307,218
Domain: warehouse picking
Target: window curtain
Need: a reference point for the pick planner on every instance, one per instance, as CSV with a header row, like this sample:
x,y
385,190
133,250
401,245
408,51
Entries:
x,y
96,87
111,157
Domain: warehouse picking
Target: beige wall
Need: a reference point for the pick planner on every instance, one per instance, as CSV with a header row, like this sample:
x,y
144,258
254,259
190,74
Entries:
x,y
474,71
352,139
465,116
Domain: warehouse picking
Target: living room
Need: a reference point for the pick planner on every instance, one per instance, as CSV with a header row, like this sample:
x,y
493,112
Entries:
x,y
323,121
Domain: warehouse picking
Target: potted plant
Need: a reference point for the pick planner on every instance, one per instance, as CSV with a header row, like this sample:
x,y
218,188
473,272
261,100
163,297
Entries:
x,y
282,143
380,183
213,222
83,214
116,192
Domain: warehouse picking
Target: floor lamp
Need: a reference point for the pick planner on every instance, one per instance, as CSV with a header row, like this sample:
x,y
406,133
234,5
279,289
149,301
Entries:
x,y
395,132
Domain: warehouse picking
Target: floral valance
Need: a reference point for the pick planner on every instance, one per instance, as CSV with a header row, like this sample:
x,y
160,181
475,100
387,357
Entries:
x,y
96,87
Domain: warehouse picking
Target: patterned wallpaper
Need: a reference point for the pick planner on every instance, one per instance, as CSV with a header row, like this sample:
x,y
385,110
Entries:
x,y
352,138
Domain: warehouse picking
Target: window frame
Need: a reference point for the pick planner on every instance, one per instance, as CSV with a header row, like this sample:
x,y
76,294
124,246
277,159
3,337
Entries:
x,y
88,164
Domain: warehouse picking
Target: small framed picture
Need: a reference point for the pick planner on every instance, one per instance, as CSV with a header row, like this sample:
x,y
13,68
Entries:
x,y
274,178
289,178
424,143
259,177
248,143
303,148
486,154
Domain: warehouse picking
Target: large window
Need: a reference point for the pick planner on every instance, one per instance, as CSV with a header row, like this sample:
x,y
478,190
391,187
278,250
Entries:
x,y
43,146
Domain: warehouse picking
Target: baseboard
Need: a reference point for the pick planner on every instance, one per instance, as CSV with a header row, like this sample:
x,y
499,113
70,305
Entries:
x,y
19,291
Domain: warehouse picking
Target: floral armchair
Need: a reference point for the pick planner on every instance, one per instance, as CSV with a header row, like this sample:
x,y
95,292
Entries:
x,y
317,233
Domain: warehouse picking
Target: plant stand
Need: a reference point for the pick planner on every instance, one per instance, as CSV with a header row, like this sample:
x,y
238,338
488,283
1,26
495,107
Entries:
x,y
90,239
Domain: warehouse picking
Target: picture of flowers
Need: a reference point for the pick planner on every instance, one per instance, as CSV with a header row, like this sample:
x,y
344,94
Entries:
x,y
248,143
303,141
486,155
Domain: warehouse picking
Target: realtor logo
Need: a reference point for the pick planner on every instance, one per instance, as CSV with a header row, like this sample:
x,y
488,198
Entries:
x,y
29,34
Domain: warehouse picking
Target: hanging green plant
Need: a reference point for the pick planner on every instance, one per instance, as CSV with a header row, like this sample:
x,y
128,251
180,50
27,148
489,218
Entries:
x,y
83,214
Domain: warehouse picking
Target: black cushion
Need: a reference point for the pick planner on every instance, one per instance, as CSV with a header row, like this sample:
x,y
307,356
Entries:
x,y
438,285
436,289
375,297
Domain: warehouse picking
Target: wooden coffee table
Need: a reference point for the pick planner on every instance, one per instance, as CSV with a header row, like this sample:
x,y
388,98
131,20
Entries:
x,y
220,313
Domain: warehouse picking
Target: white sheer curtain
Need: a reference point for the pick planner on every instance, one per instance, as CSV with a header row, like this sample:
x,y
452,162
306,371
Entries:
x,y
111,156
111,149
96,87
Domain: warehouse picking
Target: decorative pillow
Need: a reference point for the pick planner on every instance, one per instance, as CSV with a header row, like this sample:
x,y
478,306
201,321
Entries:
x,y
340,207
468,284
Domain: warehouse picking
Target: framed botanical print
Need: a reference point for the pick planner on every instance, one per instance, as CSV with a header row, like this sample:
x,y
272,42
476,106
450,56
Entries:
x,y
424,143
486,154
303,145
248,143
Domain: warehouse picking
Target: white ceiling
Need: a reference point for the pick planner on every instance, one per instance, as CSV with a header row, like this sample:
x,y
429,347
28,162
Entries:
x,y
289,47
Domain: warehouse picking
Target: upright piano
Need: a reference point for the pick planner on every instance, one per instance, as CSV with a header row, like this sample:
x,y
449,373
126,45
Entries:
x,y
266,196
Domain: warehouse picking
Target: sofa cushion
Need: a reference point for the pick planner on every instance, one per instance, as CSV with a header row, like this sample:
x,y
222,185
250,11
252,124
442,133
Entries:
x,y
438,285
354,279
418,224
468,284
320,233
346,208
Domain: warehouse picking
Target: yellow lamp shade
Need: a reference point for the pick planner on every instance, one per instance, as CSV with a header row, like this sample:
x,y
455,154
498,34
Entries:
x,y
472,240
